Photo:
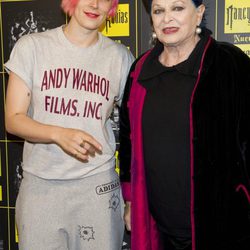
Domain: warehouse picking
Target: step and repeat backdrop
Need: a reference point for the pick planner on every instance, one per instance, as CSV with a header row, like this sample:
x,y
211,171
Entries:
x,y
229,20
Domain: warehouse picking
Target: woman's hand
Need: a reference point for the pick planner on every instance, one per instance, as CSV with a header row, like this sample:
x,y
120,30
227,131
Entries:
x,y
77,143
127,215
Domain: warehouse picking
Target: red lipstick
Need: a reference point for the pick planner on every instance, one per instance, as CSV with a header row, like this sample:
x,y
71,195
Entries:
x,y
91,15
170,30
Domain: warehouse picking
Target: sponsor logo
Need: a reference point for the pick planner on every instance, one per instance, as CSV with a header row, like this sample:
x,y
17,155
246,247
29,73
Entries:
x,y
239,38
119,24
237,16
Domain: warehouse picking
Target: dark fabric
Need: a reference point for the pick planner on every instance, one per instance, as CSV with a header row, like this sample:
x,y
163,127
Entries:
x,y
145,235
166,146
166,142
175,244
221,149
221,127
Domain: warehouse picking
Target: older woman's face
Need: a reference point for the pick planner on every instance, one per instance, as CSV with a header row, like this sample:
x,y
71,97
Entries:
x,y
175,21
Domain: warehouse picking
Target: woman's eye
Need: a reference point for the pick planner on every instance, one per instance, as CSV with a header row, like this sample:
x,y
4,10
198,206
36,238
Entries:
x,y
178,8
157,11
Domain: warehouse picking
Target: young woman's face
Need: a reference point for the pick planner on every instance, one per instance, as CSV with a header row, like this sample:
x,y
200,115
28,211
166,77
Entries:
x,y
175,21
90,14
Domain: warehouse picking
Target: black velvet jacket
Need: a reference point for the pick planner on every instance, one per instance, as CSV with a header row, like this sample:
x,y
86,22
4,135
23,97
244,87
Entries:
x,y
221,124
221,149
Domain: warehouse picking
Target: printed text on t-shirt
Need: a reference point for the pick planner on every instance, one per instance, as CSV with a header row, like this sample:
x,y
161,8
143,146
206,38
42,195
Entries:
x,y
78,80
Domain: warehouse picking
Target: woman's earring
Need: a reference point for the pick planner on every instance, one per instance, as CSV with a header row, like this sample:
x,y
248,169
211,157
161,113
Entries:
x,y
198,30
153,39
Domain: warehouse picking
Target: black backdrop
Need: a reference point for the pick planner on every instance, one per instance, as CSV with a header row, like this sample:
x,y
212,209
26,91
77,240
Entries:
x,y
229,20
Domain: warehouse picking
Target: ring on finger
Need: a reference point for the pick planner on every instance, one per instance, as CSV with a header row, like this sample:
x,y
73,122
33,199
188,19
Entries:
x,y
82,144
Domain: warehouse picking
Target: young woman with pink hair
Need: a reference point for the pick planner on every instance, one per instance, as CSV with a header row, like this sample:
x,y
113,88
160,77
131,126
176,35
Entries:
x,y
62,88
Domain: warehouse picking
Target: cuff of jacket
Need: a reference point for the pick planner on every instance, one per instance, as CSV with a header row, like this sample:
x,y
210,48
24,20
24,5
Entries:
x,y
126,191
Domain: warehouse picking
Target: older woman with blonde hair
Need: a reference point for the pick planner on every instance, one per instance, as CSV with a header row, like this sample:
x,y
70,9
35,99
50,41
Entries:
x,y
62,88
185,137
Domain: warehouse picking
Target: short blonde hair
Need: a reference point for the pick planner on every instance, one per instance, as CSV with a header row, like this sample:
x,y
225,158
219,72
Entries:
x,y
69,6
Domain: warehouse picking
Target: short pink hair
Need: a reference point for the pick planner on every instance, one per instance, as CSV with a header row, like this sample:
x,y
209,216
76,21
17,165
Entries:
x,y
69,6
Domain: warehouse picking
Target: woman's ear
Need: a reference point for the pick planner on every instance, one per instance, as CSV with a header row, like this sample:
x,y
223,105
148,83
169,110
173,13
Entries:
x,y
200,13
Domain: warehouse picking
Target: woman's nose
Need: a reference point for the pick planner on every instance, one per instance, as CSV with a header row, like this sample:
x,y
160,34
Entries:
x,y
167,17
94,3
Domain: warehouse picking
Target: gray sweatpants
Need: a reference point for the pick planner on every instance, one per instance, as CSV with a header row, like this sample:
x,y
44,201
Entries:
x,y
70,214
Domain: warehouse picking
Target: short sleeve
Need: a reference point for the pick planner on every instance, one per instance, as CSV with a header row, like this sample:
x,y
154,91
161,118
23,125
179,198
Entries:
x,y
127,61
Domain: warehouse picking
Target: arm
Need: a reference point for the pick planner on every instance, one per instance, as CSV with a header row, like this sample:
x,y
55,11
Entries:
x,y
125,155
125,152
244,126
242,76
125,142
19,123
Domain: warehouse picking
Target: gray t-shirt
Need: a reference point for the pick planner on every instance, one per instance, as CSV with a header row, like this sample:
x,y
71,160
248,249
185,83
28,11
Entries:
x,y
71,87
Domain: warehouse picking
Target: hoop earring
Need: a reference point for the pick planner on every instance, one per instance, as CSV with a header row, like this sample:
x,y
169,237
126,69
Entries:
x,y
198,30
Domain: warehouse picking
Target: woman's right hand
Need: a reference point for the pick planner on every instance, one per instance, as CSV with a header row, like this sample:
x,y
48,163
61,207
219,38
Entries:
x,y
127,215
76,143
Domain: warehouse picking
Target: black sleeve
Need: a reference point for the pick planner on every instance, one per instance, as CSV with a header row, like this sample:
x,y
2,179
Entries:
x,y
243,63
245,118
124,135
